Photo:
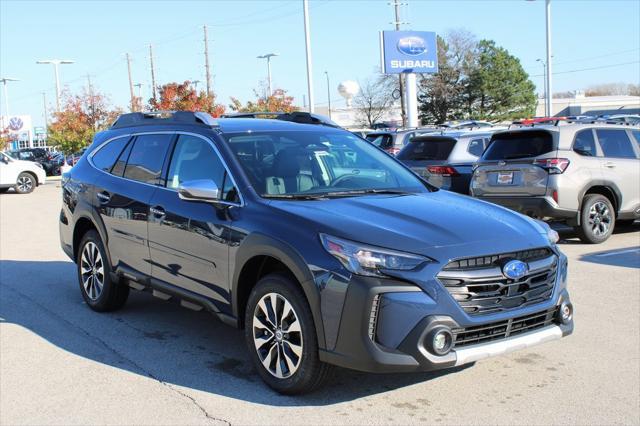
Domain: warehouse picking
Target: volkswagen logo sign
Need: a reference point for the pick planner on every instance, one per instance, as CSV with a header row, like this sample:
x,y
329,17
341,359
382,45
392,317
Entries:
x,y
15,124
515,269
412,45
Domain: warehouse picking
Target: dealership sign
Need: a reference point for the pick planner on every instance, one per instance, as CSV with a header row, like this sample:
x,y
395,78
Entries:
x,y
409,52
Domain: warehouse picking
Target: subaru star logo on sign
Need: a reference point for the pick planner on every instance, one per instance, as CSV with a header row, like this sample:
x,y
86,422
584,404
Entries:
x,y
515,269
409,52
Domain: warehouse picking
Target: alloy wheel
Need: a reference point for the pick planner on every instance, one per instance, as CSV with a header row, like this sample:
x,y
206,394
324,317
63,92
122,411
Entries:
x,y
92,270
25,183
600,218
277,335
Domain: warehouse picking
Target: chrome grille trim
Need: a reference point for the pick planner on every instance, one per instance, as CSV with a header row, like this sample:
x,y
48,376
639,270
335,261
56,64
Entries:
x,y
486,290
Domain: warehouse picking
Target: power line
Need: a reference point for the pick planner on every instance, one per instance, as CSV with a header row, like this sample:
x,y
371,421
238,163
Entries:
x,y
590,69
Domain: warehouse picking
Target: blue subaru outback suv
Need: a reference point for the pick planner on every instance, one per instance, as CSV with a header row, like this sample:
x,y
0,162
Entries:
x,y
324,249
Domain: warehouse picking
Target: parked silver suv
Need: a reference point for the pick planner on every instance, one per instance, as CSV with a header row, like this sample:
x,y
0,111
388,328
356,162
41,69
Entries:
x,y
586,175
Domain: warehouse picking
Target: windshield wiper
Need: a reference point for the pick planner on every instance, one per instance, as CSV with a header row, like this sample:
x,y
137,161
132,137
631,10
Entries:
x,y
367,192
296,196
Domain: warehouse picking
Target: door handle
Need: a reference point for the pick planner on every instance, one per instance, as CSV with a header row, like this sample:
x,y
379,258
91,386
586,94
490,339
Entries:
x,y
103,197
157,212
610,164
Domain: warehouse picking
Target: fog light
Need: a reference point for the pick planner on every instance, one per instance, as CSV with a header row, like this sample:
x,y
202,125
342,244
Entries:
x,y
440,341
566,312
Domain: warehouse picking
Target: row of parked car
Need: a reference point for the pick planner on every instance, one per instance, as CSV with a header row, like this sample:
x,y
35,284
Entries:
x,y
583,172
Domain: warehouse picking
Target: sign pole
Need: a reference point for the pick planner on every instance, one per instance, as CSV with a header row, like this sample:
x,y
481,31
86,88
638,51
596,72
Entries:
x,y
411,97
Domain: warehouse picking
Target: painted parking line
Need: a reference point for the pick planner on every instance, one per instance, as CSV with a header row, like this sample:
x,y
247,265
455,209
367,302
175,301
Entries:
x,y
617,252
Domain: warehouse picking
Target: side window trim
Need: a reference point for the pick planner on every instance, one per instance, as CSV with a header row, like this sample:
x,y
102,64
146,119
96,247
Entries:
x,y
629,138
633,138
222,160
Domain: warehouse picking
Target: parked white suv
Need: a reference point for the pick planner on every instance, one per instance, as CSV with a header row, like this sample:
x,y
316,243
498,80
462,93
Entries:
x,y
587,175
21,175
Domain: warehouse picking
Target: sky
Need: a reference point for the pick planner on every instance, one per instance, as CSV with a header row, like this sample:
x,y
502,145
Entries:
x,y
594,42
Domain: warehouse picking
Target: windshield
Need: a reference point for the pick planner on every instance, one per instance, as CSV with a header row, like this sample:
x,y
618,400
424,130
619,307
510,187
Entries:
x,y
508,146
324,162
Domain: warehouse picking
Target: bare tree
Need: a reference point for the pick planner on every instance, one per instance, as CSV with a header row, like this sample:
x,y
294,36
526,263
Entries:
x,y
374,100
614,89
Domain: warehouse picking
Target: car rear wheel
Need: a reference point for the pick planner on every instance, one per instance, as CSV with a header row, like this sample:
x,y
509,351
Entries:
x,y
597,219
98,290
26,183
281,337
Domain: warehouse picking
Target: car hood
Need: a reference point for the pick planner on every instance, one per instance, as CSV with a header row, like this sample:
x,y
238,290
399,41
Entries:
x,y
422,223
26,163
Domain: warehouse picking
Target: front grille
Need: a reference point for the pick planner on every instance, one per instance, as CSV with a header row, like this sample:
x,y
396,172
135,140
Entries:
x,y
479,286
484,261
502,329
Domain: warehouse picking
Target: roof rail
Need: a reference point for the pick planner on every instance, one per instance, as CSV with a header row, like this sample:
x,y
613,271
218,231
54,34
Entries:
x,y
295,116
164,117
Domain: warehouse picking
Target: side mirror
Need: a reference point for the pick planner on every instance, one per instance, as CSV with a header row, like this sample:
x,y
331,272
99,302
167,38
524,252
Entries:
x,y
199,190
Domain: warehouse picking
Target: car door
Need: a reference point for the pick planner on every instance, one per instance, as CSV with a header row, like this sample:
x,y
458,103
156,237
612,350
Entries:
x,y
122,200
620,165
189,240
8,170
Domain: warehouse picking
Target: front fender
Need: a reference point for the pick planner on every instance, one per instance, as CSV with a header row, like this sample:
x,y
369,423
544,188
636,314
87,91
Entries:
x,y
257,244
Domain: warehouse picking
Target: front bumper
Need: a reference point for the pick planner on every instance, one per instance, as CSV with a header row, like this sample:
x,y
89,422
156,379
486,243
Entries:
x,y
385,326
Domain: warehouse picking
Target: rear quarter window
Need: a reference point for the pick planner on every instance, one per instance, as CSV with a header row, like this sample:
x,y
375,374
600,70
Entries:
x,y
509,146
106,156
427,149
381,141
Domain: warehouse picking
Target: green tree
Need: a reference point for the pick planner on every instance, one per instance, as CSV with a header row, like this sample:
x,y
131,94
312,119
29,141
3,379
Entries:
x,y
81,117
498,88
443,95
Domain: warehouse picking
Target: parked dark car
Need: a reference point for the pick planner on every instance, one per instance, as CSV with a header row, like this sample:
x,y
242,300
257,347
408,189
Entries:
x,y
393,140
446,159
326,250
39,155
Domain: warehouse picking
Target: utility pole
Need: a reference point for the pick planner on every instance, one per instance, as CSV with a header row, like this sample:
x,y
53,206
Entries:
x,y
153,73
307,42
397,22
133,96
92,102
206,62
55,63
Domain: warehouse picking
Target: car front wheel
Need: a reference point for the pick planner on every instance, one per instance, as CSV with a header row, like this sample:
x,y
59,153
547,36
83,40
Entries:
x,y
281,337
25,183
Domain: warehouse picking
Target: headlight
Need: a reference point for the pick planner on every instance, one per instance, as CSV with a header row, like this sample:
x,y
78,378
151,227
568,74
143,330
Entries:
x,y
368,260
552,235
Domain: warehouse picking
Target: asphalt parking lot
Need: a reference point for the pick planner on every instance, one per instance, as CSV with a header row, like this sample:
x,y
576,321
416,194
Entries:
x,y
157,363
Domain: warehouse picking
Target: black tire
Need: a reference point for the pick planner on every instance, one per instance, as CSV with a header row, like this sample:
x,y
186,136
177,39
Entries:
x,y
597,219
310,372
26,183
113,294
3,190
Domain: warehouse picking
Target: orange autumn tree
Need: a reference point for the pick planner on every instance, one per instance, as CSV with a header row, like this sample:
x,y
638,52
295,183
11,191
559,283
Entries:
x,y
182,97
279,101
81,116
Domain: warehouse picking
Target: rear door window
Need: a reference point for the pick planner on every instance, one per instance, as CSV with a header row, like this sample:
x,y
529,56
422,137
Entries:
x,y
477,146
381,141
585,143
511,146
147,157
427,149
615,143
106,157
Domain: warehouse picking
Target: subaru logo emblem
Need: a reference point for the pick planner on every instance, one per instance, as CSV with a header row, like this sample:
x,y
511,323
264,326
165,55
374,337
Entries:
x,y
412,45
515,269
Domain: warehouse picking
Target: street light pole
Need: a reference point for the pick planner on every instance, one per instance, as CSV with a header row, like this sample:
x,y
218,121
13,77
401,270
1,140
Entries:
x,y
268,57
307,42
328,92
55,63
4,81
544,79
548,76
